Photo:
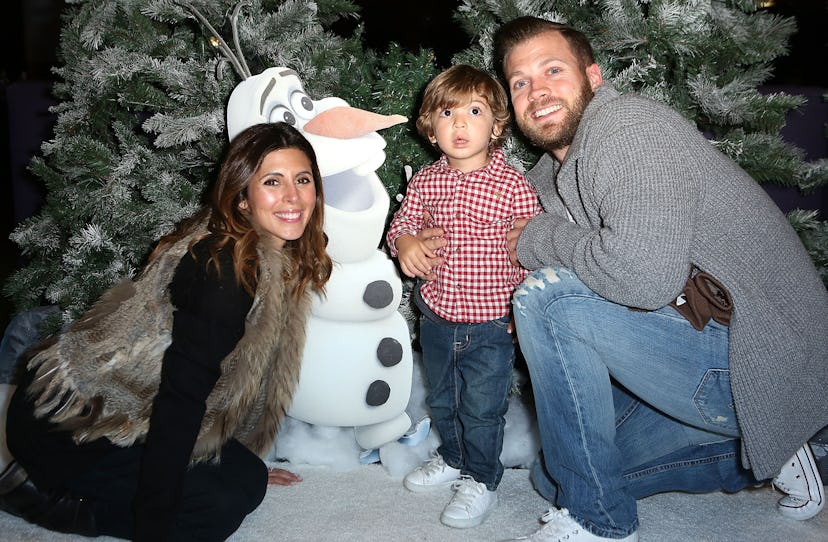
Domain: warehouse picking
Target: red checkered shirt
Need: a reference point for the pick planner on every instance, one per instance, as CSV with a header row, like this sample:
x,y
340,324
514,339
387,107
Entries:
x,y
475,210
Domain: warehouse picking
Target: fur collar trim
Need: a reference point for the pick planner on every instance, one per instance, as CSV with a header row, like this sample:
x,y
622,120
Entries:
x,y
99,378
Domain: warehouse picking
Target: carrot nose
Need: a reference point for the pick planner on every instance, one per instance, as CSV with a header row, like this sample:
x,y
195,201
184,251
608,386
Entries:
x,y
347,122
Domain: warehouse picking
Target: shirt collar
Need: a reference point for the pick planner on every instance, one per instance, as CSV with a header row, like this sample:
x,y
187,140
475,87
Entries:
x,y
495,164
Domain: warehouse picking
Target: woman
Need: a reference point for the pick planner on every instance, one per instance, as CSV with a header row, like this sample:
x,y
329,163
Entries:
x,y
147,417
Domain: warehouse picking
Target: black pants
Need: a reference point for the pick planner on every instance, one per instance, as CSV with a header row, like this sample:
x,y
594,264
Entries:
x,y
215,500
216,497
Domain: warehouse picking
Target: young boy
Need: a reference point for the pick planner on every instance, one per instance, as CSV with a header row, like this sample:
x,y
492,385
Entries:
x,y
468,353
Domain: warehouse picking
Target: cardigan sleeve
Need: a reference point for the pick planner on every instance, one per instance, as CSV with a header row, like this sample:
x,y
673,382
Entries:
x,y
631,241
207,324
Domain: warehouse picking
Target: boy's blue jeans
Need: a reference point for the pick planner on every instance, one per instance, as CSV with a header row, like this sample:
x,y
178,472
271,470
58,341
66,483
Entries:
x,y
629,403
468,369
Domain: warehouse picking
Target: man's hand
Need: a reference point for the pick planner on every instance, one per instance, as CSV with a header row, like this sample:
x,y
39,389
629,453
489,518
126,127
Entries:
x,y
512,238
433,239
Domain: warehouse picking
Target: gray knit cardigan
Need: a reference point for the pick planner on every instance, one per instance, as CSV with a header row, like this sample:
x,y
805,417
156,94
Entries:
x,y
649,196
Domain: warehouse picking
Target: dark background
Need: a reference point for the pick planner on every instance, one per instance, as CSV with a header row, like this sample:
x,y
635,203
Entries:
x,y
428,23
31,33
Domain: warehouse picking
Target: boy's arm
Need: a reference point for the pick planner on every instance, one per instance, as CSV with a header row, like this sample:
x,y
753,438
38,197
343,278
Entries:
x,y
413,244
406,221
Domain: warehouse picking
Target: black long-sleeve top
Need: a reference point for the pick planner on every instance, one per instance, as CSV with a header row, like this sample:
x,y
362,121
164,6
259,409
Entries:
x,y
207,324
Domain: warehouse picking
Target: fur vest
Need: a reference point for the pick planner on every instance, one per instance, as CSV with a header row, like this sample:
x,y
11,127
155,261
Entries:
x,y
99,378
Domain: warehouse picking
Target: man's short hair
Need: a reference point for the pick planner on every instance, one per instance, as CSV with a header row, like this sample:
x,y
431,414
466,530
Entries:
x,y
523,28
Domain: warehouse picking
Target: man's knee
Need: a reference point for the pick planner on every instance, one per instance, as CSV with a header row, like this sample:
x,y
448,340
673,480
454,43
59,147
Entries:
x,y
545,286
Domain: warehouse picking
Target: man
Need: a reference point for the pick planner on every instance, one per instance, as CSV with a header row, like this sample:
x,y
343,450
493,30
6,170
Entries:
x,y
632,396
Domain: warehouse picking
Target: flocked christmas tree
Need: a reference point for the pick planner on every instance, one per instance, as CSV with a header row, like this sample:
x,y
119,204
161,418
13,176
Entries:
x,y
140,125
141,119
706,58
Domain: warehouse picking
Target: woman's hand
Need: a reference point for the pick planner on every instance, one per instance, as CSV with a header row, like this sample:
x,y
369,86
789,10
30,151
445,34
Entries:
x,y
282,477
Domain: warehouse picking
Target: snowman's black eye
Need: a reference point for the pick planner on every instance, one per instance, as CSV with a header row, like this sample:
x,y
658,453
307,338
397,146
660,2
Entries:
x,y
301,104
281,113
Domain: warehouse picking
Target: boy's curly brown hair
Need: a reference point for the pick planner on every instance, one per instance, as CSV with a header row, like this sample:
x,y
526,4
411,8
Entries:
x,y
458,84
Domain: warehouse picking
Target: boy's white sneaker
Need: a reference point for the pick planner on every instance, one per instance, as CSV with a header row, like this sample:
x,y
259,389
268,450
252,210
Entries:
x,y
561,527
471,504
800,480
434,474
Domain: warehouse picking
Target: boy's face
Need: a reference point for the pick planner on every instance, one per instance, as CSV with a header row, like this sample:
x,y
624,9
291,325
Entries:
x,y
463,132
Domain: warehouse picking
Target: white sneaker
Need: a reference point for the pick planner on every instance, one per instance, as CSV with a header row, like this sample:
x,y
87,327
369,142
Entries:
x,y
435,473
560,526
471,504
800,479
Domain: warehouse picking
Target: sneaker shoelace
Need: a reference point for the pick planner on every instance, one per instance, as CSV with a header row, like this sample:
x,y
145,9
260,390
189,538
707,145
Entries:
x,y
559,524
788,477
466,491
434,465
780,484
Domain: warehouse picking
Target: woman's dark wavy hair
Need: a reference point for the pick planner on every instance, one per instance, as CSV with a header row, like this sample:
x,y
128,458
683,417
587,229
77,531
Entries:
x,y
231,226
527,27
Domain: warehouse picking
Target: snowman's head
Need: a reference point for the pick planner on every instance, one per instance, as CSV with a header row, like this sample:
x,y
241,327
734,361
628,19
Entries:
x,y
347,146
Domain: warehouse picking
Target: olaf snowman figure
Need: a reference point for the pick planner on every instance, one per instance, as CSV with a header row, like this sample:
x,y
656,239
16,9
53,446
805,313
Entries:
x,y
357,365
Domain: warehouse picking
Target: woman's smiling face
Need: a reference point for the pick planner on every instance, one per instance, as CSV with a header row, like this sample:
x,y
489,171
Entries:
x,y
281,195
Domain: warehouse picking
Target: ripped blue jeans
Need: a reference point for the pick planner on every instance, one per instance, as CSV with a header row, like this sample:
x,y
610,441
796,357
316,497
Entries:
x,y
629,403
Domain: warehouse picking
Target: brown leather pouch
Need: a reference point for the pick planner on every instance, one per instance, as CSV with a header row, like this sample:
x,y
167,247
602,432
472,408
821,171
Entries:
x,y
702,299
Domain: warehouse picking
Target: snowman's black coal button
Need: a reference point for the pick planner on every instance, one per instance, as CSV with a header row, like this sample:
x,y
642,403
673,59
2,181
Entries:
x,y
389,352
378,393
378,294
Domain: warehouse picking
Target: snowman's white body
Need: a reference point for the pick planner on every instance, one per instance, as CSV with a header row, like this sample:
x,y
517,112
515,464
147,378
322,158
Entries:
x,y
357,366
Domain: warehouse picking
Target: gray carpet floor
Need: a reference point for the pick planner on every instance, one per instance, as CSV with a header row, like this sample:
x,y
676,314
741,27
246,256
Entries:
x,y
368,504
341,500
